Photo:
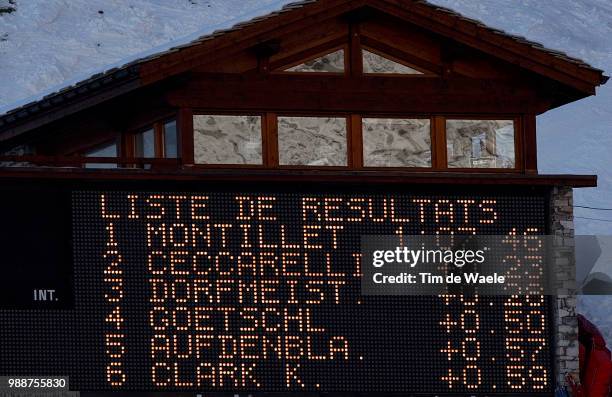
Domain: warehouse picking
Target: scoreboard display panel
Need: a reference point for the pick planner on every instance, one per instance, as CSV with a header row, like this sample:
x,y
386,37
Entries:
x,y
217,287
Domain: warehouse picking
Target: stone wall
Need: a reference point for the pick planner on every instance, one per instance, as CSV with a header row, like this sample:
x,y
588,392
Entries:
x,y
566,330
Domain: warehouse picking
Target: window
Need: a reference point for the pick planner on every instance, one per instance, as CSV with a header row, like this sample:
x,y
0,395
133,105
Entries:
x,y
396,142
329,63
108,149
159,141
480,143
144,144
376,63
170,140
226,139
313,141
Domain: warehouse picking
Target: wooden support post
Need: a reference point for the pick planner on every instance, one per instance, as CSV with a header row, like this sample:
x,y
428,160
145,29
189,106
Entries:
x,y
530,144
270,141
438,143
355,61
185,136
355,141
159,144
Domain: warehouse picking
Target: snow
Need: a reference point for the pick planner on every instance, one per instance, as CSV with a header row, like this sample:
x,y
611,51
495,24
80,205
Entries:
x,y
575,138
49,44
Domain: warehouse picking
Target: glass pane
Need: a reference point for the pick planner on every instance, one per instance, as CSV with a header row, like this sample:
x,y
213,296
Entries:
x,y
480,143
227,139
315,141
20,150
396,142
170,140
330,63
144,144
105,150
374,63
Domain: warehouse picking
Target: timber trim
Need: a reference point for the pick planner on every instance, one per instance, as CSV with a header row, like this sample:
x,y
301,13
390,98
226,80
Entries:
x,y
280,175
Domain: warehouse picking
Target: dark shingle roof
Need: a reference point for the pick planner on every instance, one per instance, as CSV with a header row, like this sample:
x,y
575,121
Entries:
x,y
130,71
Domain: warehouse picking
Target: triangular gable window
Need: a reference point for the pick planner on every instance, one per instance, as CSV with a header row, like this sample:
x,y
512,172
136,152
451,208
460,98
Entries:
x,y
329,63
375,63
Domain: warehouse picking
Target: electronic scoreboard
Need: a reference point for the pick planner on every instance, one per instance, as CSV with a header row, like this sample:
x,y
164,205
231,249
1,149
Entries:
x,y
219,287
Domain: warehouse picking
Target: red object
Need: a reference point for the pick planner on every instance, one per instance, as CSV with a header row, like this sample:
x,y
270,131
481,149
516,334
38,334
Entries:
x,y
595,362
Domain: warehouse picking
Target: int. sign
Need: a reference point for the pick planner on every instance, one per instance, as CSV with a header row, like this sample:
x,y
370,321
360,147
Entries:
x,y
256,288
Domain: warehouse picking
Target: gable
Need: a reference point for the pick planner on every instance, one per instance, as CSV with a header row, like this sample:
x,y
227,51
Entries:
x,y
433,19
367,42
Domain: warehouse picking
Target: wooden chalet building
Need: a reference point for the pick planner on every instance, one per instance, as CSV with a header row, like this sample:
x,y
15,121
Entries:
x,y
393,92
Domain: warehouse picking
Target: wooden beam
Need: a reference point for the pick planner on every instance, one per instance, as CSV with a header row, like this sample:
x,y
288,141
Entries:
x,y
159,144
263,52
359,15
530,143
267,29
310,53
131,176
355,58
185,136
355,141
267,48
332,30
519,155
283,92
67,109
270,140
438,144
403,55
500,46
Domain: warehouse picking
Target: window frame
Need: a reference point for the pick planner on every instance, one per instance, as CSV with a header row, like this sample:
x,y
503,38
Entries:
x,y
355,147
353,49
158,127
357,44
162,125
134,138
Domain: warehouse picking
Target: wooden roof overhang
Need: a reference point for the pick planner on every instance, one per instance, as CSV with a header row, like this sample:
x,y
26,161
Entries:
x,y
302,175
568,78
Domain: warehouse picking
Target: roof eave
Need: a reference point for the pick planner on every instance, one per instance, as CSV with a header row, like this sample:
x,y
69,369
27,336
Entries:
x,y
159,66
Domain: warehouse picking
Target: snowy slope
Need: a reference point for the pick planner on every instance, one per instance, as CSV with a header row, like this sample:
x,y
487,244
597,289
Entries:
x,y
46,44
576,138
